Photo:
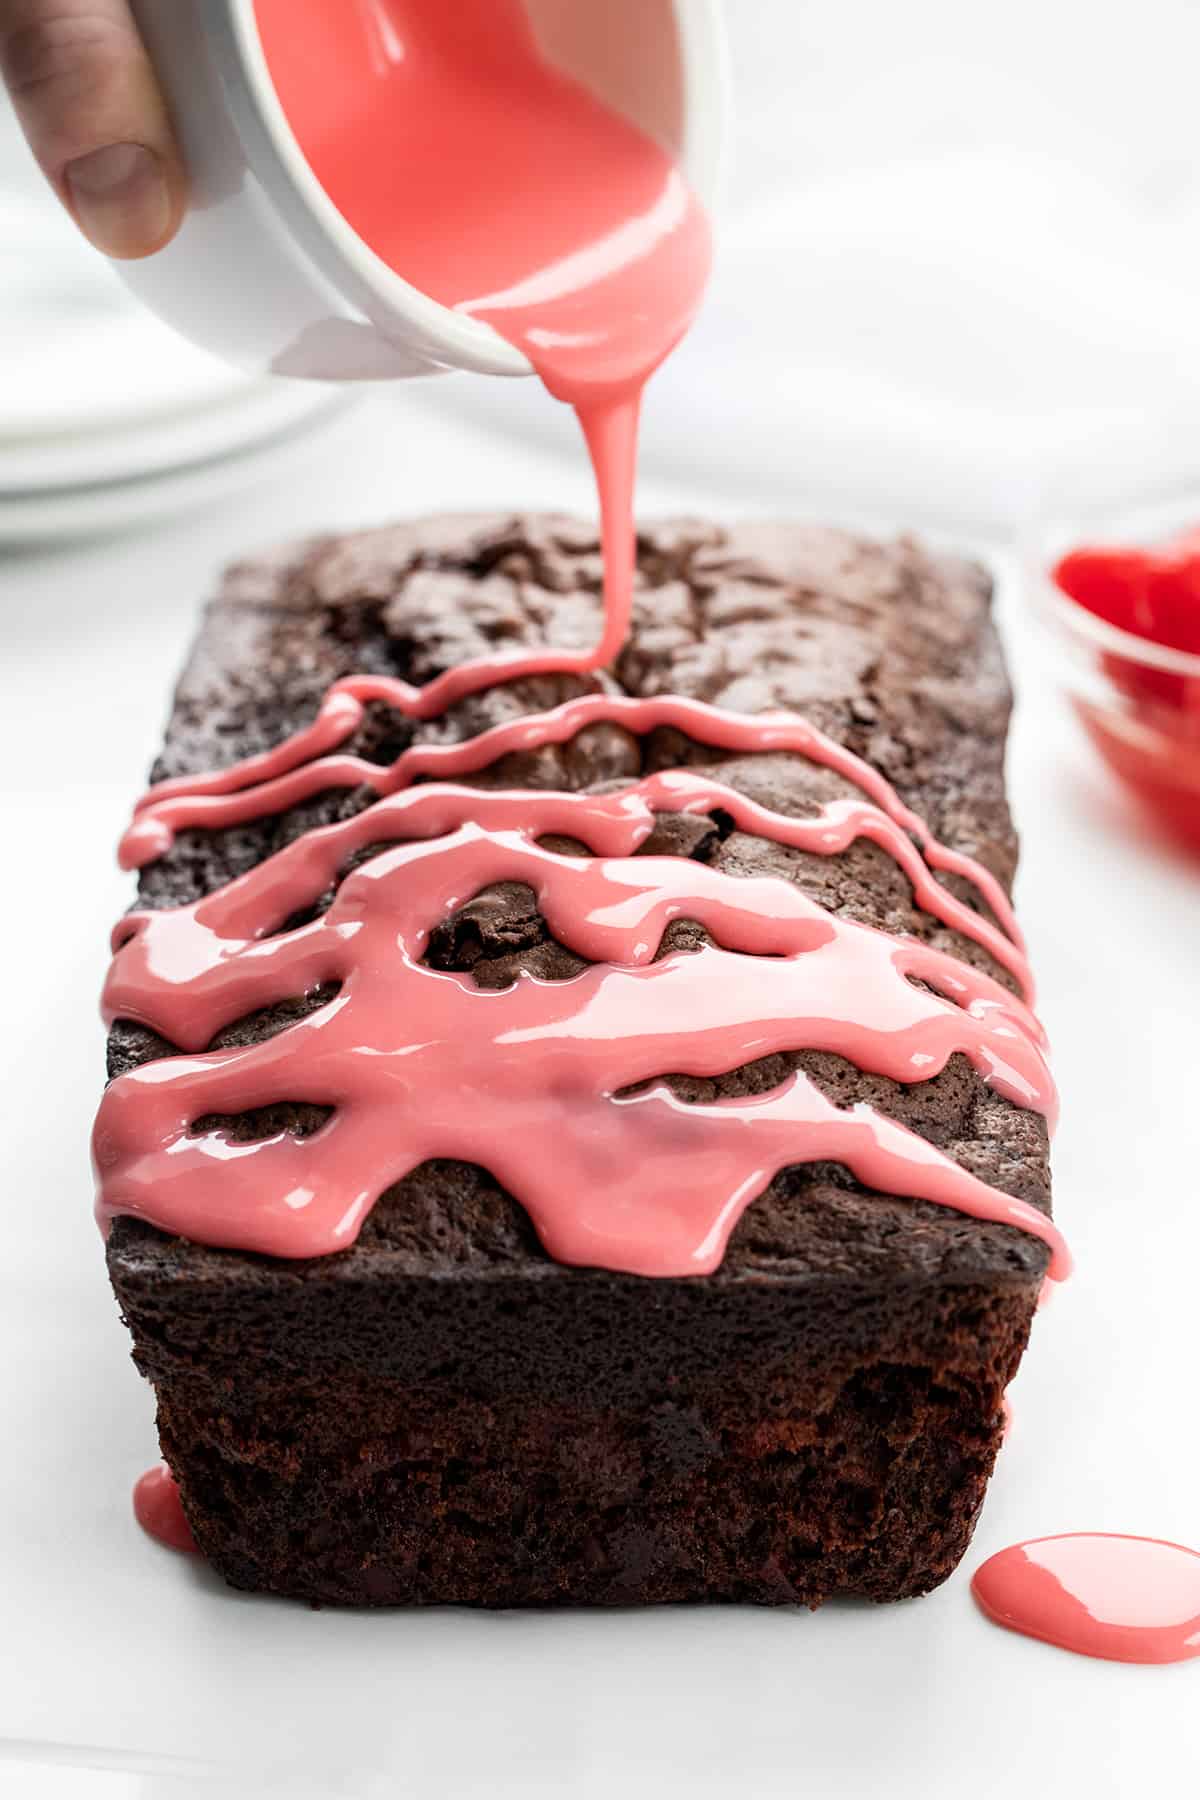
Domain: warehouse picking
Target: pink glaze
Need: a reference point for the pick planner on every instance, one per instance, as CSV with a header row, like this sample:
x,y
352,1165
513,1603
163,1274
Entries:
x,y
502,188
418,1063
301,766
157,1509
1129,1599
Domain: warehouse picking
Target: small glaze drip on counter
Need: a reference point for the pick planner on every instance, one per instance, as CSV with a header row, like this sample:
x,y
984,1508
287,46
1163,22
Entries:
x,y
1127,1599
158,1510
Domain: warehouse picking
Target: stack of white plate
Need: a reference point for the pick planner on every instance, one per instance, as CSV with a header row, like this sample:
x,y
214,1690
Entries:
x,y
107,418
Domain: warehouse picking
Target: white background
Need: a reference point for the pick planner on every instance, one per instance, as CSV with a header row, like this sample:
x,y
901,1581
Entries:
x,y
959,266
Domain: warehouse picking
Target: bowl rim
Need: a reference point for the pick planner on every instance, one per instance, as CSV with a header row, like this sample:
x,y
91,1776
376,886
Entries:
x,y
1104,520
1071,616
442,334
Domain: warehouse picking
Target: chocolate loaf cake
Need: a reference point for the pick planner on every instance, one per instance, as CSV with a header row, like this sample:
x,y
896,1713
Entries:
x,y
442,1412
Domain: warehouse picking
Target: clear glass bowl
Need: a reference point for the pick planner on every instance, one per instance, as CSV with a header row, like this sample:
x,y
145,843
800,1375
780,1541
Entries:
x,y
1138,701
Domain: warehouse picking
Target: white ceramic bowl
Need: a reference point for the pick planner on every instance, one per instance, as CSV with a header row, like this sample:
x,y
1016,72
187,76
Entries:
x,y
266,271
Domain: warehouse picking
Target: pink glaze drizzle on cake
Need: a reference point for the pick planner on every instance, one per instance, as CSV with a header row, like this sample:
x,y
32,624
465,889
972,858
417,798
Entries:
x,y
301,766
417,1063
158,1510
1127,1599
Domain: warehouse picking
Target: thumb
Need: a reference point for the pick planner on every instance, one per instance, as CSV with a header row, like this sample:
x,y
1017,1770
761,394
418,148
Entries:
x,y
86,96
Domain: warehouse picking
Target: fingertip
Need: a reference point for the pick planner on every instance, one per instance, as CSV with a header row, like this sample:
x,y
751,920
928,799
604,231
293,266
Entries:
x,y
123,199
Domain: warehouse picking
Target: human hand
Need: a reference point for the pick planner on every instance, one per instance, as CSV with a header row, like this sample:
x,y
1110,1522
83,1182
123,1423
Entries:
x,y
85,93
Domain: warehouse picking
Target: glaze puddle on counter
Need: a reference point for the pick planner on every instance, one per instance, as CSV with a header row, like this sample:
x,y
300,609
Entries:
x,y
1125,1599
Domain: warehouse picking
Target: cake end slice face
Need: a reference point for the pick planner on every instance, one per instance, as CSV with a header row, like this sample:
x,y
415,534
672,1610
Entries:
x,y
382,1434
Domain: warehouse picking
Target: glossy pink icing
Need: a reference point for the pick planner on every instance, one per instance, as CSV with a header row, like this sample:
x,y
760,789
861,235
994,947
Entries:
x,y
158,1510
1128,1599
418,1063
303,766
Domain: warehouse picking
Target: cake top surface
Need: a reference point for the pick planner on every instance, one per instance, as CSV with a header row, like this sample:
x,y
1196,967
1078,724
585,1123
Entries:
x,y
886,648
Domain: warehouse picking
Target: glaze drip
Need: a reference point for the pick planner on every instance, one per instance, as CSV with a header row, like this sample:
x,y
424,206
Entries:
x,y
159,1510
1098,1593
